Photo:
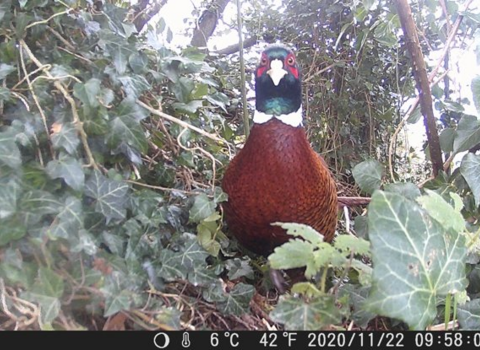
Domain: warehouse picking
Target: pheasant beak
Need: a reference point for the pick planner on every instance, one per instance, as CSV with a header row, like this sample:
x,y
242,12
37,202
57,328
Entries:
x,y
276,71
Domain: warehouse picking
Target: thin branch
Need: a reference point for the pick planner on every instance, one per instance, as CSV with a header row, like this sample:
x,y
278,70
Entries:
x,y
45,21
182,123
246,126
76,118
422,83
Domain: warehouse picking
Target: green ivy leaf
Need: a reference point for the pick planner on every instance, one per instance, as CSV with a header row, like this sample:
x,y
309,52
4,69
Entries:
x,y
476,92
441,211
358,295
201,209
237,300
298,314
467,134
10,193
9,152
67,168
415,260
46,291
4,94
183,88
178,264
238,268
125,129
35,204
5,69
470,168
68,221
138,62
65,136
110,196
190,107
469,315
117,302
11,230
368,175
88,92
447,137
134,85
406,189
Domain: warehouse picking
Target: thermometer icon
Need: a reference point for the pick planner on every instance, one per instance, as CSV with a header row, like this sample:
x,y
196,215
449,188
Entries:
x,y
185,340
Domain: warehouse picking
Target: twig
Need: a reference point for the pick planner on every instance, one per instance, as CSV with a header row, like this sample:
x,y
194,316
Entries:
x,y
76,118
182,123
61,38
40,109
196,148
160,188
44,21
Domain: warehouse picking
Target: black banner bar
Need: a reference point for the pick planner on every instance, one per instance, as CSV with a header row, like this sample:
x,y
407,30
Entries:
x,y
249,340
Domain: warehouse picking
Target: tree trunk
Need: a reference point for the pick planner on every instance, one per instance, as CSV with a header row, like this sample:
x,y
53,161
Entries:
x,y
423,86
208,22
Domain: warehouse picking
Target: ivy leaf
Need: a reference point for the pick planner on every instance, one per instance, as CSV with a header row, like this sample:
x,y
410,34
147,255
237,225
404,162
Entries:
x,y
368,175
201,209
467,134
469,315
138,62
183,88
46,291
11,230
406,189
110,196
238,300
9,152
125,129
447,137
441,211
4,94
238,268
190,107
415,260
67,168
88,92
35,204
470,168
134,85
9,195
298,314
178,264
476,92
65,136
117,302
5,69
68,221
218,99
358,295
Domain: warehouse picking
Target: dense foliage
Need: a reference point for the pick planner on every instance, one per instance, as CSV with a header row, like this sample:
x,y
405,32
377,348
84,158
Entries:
x,y
113,143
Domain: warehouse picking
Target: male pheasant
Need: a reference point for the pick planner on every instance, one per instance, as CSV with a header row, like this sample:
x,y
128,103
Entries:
x,y
277,176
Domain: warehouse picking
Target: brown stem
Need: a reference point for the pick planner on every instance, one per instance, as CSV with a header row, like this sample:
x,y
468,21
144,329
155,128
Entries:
x,y
421,78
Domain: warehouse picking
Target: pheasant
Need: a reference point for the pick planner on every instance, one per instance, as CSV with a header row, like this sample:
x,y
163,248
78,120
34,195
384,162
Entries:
x,y
277,176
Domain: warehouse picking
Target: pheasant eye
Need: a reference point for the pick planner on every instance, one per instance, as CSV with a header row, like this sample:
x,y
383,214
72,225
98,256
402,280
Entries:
x,y
290,61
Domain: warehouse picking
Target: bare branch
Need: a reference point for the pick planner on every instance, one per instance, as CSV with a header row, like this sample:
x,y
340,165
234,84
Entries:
x,y
249,42
423,86
208,22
